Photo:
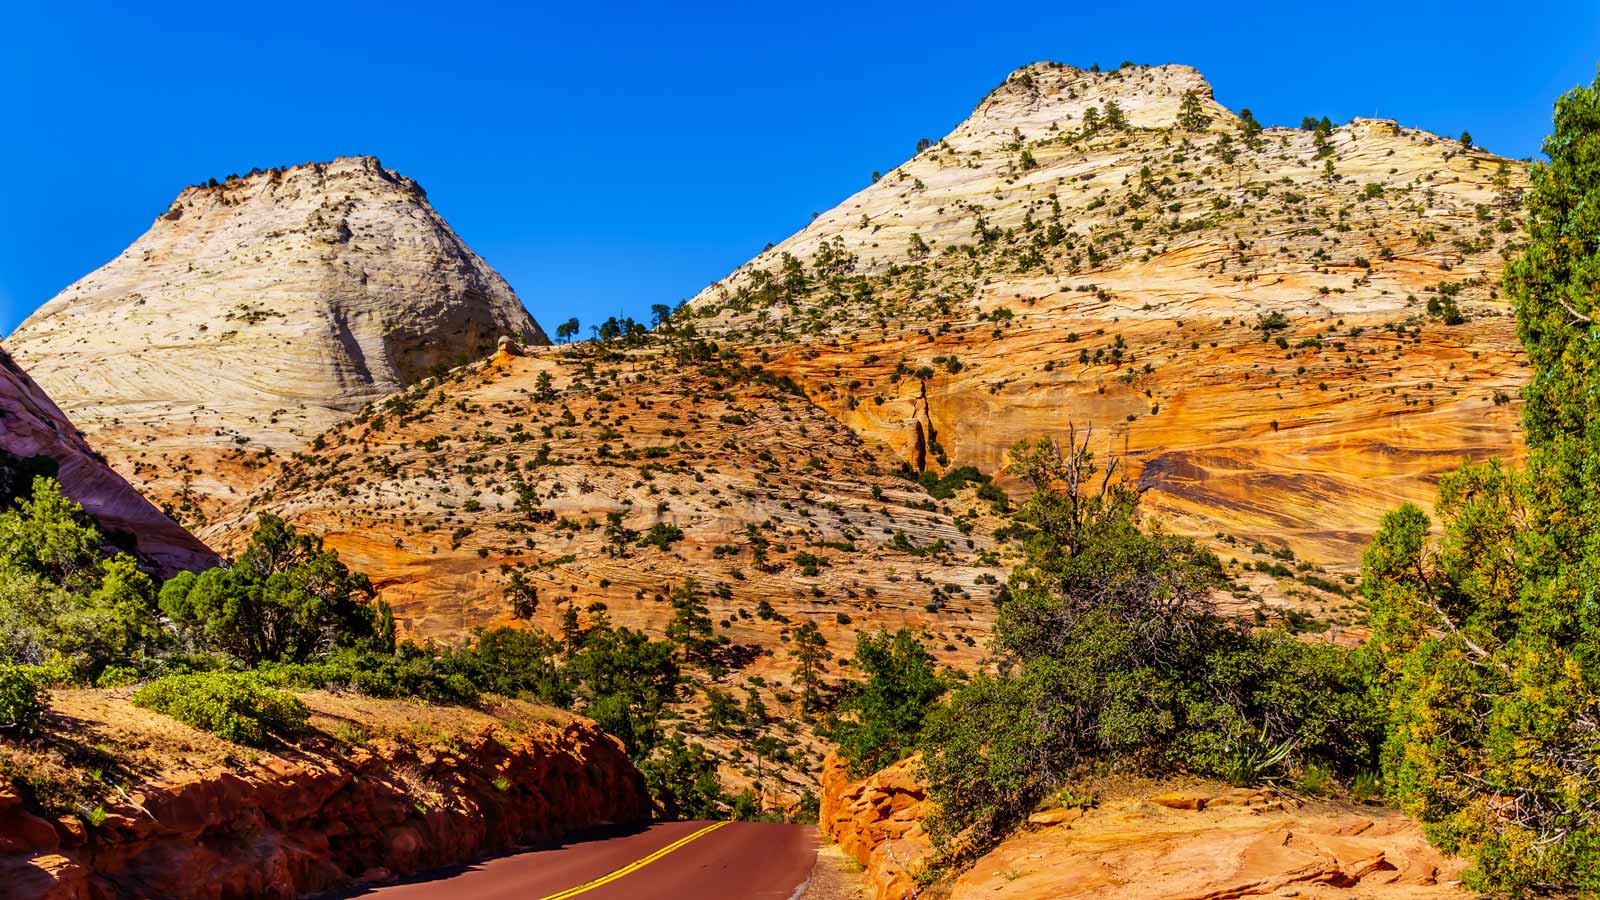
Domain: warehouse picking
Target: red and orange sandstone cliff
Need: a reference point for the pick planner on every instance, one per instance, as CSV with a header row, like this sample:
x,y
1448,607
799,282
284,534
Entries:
x,y
378,790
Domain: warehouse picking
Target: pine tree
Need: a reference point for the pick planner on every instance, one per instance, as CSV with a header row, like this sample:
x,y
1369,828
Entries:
x,y
1191,116
690,627
1115,119
809,645
1250,129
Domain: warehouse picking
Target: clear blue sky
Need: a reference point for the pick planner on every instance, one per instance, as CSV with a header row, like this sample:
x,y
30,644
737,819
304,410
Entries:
x,y
607,156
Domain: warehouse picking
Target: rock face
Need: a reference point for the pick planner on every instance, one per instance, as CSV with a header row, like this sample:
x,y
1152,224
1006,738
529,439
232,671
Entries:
x,y
257,313
322,816
878,821
1200,843
1138,850
1262,321
32,426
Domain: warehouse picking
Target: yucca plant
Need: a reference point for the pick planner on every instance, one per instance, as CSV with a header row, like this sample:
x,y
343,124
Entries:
x,y
1257,760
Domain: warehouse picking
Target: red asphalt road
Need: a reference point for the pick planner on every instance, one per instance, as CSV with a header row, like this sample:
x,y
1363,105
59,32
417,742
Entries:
x,y
739,861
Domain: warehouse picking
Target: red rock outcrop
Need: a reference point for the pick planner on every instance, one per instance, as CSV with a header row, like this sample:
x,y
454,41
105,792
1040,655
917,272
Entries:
x,y
878,821
306,822
1200,843
32,425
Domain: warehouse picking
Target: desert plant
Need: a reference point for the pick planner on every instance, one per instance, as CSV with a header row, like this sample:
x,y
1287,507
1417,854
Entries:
x,y
235,707
22,699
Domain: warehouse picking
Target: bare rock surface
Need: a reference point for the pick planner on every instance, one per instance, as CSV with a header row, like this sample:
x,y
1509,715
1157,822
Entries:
x,y
1149,842
255,314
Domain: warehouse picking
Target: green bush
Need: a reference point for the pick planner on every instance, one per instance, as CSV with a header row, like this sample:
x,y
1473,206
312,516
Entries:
x,y
434,674
286,599
235,707
1112,656
890,705
22,699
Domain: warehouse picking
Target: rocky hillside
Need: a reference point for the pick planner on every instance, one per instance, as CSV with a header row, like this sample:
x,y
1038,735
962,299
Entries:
x,y
580,477
600,482
1287,330
37,439
255,314
115,801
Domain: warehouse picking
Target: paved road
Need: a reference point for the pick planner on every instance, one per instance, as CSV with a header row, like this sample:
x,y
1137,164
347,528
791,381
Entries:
x,y
667,861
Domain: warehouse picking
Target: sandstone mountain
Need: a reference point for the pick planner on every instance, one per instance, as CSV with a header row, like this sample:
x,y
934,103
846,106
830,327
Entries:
x,y
1287,331
33,430
257,313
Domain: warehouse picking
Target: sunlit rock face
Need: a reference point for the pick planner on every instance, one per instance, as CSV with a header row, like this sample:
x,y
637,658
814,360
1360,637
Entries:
x,y
36,438
1261,323
257,313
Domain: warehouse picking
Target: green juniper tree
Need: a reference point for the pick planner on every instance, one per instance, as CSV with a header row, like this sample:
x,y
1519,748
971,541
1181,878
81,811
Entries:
x,y
1489,634
889,706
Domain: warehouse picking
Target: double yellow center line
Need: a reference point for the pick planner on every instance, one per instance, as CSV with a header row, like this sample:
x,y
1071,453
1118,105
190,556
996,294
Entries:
x,y
634,866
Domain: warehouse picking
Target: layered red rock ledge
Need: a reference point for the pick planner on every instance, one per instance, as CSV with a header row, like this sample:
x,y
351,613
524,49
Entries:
x,y
311,819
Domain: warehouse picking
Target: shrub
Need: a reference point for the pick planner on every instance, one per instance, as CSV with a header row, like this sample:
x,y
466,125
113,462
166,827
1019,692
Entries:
x,y
286,599
235,707
437,675
890,705
22,699
683,779
1113,655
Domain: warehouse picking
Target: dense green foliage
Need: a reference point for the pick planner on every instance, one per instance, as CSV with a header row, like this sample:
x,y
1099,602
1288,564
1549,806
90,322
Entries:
x,y
21,699
1112,656
285,599
889,706
63,600
1488,636
683,779
234,706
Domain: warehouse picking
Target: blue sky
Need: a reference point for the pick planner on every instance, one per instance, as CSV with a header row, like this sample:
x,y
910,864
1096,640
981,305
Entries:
x,y
607,156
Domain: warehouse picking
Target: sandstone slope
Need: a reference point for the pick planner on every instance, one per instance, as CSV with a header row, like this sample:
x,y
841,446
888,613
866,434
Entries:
x,y
257,313
1247,315
599,481
1144,841
115,801
610,480
31,427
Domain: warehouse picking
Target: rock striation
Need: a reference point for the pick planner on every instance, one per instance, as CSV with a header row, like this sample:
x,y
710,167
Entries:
x,y
1286,330
31,426
255,314
877,821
